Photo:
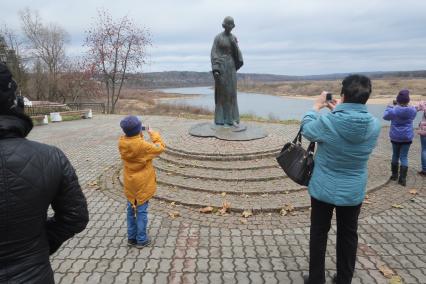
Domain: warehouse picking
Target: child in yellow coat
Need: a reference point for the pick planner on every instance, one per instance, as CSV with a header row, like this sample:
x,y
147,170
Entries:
x,y
140,181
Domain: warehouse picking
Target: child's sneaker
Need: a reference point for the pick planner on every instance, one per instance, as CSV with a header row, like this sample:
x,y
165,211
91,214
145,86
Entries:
x,y
143,244
131,242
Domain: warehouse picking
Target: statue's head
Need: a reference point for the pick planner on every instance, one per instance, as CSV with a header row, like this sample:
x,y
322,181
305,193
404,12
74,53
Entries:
x,y
228,23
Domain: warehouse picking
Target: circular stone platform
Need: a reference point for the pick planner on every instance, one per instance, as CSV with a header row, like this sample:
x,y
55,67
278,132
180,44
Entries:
x,y
198,172
231,133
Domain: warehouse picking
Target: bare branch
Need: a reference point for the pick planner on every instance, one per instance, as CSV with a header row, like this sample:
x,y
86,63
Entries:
x,y
116,47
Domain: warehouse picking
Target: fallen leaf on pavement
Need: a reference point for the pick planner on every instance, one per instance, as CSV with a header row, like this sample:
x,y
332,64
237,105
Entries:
x,y
395,280
386,271
366,202
174,214
173,203
223,194
413,192
225,206
399,206
283,212
288,207
92,183
207,209
247,213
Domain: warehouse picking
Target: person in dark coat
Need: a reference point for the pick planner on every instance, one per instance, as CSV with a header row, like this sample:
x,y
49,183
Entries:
x,y
33,176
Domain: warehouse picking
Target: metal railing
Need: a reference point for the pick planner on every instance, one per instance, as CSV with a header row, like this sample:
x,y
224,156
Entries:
x,y
44,109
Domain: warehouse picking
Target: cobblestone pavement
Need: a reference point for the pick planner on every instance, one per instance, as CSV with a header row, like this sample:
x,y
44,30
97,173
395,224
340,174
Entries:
x,y
197,248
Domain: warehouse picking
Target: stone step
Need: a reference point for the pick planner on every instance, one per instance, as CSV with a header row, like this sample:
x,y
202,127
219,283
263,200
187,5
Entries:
x,y
261,163
223,157
244,186
238,203
221,152
262,174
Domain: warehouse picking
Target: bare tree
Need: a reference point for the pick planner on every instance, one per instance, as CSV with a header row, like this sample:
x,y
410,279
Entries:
x,y
116,47
37,83
11,46
47,43
77,82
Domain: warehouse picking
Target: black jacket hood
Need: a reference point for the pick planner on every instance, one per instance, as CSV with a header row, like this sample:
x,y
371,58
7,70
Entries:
x,y
14,126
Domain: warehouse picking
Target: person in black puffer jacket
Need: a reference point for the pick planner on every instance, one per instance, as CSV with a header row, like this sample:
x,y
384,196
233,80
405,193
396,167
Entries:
x,y
32,177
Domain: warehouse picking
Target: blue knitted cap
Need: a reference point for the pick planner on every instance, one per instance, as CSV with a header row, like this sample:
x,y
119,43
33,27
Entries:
x,y
131,125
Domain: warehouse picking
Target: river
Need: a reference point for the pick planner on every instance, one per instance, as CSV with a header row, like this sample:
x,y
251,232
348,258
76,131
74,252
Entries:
x,y
266,106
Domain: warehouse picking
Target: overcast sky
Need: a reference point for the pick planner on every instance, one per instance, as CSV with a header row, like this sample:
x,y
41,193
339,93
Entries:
x,y
275,36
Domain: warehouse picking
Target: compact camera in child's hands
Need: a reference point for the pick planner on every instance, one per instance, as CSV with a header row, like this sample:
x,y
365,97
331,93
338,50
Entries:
x,y
145,128
329,97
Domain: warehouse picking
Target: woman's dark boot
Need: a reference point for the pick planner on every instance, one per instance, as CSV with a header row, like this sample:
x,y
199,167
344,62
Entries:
x,y
394,168
403,175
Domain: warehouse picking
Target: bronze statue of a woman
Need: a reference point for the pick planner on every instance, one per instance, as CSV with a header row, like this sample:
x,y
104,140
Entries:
x,y
226,59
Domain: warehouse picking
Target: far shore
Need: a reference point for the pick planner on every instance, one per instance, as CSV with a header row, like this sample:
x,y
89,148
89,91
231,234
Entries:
x,y
382,100
373,101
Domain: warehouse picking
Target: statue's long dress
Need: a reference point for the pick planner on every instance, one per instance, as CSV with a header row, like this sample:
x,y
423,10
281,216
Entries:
x,y
226,58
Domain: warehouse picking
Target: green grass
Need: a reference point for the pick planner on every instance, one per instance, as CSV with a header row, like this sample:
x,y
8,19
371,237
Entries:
x,y
71,117
270,119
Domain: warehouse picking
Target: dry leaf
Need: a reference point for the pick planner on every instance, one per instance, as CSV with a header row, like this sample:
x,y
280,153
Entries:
x,y
223,194
288,207
174,214
395,280
247,213
225,206
386,271
413,192
243,221
173,204
207,209
399,206
366,202
367,196
283,212
92,183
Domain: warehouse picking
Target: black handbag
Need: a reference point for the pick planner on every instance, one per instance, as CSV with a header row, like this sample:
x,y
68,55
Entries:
x,y
297,162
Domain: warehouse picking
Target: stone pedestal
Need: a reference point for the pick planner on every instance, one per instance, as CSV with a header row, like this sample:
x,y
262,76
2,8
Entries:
x,y
241,132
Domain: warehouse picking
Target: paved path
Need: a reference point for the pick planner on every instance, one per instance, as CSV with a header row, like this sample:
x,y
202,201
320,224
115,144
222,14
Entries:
x,y
196,248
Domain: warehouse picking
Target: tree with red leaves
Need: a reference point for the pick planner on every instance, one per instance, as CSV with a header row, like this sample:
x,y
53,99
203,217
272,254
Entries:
x,y
116,47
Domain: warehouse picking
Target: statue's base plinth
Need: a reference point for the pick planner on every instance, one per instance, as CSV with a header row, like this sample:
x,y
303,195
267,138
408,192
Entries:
x,y
241,132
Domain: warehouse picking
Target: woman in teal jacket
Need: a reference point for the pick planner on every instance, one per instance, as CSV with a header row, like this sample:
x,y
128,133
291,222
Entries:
x,y
345,139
